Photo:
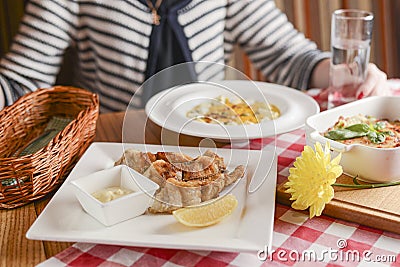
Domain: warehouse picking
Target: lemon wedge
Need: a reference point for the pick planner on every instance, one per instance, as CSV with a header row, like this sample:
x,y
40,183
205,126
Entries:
x,y
207,214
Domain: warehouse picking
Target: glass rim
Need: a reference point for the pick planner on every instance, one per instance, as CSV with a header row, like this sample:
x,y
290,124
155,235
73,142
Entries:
x,y
353,14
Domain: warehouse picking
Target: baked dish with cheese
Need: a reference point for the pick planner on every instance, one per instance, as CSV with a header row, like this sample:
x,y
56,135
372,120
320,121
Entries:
x,y
365,130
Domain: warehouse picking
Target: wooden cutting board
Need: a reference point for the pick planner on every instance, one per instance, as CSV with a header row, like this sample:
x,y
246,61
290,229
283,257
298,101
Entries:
x,y
378,207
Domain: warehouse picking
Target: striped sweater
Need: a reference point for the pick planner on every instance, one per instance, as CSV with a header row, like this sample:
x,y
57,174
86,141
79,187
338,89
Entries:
x,y
111,38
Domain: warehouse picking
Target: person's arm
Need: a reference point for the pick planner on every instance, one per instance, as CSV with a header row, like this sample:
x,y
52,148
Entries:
x,y
36,54
320,75
282,53
273,45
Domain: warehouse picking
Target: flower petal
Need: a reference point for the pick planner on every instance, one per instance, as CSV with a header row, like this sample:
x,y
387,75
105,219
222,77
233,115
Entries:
x,y
310,180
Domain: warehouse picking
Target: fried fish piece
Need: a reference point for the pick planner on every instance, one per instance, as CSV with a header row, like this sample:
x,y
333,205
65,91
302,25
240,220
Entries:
x,y
183,181
173,157
140,161
175,192
135,159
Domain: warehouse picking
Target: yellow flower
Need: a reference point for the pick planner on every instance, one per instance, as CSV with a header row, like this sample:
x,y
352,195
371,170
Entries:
x,y
310,180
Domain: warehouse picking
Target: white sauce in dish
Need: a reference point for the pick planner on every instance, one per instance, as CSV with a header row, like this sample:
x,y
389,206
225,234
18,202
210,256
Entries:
x,y
110,193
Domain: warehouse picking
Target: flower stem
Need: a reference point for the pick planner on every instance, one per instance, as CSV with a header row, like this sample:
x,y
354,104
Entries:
x,y
363,186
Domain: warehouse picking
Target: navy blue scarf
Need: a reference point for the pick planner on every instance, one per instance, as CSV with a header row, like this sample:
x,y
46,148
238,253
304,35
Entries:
x,y
168,47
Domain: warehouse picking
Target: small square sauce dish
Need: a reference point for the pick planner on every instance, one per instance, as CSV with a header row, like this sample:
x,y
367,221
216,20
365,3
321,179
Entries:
x,y
114,195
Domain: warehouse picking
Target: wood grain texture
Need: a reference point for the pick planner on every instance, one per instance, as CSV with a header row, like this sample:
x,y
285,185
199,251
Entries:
x,y
378,207
15,248
109,127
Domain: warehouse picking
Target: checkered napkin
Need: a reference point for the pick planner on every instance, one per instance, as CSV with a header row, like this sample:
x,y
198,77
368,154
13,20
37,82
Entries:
x,y
297,240
53,127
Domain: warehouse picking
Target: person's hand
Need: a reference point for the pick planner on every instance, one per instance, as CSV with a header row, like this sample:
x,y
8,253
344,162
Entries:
x,y
375,84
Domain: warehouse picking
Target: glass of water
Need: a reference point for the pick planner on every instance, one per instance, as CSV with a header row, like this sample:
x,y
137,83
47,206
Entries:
x,y
351,32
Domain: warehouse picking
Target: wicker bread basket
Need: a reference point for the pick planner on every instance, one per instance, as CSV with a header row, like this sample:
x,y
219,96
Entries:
x,y
27,177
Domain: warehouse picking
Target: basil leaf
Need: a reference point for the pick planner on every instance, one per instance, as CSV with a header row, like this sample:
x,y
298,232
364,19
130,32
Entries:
x,y
390,133
380,125
381,138
359,128
343,134
376,137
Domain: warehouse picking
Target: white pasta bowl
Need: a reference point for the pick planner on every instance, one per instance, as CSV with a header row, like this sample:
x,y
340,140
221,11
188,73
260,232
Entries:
x,y
377,165
122,208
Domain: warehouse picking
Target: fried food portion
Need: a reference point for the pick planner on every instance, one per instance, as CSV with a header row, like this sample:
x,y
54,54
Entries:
x,y
137,160
183,181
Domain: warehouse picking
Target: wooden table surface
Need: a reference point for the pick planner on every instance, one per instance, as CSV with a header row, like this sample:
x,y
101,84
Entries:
x,y
15,248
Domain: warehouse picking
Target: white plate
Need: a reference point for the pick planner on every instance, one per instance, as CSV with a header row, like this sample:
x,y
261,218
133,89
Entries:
x,y
168,109
249,228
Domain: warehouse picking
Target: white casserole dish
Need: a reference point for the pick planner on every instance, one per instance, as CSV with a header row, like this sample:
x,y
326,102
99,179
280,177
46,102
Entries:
x,y
378,165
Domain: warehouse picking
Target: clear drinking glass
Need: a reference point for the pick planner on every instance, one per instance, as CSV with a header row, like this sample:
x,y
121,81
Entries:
x,y
351,32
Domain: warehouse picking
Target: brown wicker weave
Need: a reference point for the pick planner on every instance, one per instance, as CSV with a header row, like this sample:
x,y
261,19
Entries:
x,y
30,177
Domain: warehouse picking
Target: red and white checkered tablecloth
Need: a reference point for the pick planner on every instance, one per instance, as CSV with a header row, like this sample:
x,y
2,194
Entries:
x,y
295,237
297,240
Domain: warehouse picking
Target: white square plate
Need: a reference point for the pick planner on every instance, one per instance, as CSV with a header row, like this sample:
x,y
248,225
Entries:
x,y
248,229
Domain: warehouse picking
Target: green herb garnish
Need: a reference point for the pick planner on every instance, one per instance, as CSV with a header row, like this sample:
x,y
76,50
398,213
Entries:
x,y
380,125
373,132
344,134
